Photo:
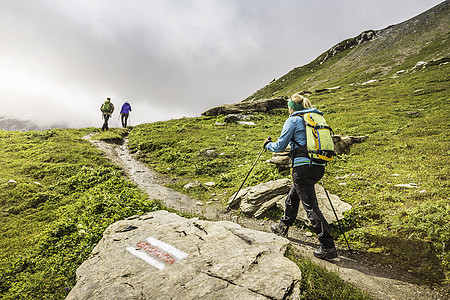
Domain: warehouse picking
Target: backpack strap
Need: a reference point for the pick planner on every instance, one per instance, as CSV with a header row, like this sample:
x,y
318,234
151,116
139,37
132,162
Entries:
x,y
300,151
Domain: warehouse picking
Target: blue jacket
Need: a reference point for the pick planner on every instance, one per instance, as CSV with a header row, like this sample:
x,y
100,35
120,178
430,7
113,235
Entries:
x,y
126,108
293,127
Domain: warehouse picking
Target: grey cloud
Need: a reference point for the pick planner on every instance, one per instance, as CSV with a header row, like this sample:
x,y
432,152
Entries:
x,y
170,58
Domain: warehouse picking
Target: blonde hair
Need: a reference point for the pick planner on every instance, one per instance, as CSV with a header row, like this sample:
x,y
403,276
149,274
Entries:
x,y
300,99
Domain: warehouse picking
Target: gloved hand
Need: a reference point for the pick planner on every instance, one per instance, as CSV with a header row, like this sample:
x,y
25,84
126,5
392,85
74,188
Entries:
x,y
268,140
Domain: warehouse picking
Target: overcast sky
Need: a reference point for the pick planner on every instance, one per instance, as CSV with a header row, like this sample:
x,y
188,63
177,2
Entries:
x,y
60,59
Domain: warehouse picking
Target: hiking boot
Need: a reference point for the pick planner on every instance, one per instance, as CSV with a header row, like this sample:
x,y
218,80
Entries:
x,y
323,253
281,230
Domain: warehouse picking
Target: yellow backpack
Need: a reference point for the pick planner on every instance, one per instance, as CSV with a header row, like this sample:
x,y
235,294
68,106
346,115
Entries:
x,y
319,143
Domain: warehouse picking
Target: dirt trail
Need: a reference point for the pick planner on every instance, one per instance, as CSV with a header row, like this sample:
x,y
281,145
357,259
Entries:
x,y
382,283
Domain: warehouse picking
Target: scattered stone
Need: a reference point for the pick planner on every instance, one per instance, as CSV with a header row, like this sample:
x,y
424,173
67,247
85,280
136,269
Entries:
x,y
12,182
246,123
240,270
199,203
413,113
309,234
407,185
422,192
219,124
210,184
193,184
370,81
209,153
420,65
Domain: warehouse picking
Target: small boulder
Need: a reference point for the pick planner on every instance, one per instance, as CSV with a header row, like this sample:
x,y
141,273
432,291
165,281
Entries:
x,y
193,184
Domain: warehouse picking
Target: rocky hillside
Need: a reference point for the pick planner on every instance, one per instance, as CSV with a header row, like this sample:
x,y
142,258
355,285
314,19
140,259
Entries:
x,y
372,55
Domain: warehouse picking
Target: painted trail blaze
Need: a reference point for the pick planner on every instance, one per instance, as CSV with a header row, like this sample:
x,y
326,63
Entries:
x,y
157,253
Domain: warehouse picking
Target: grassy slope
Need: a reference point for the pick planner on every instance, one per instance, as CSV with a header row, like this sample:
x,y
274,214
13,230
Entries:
x,y
65,196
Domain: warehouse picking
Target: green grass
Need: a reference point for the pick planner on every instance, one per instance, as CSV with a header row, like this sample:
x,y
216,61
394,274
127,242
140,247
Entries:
x,y
65,196
318,283
405,119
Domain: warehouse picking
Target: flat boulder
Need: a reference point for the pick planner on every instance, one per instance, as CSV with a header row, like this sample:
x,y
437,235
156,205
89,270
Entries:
x,y
161,255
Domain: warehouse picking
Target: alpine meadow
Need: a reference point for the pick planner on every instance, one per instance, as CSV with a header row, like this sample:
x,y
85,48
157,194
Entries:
x,y
58,193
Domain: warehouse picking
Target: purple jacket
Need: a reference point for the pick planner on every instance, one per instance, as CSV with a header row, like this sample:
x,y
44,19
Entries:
x,y
126,108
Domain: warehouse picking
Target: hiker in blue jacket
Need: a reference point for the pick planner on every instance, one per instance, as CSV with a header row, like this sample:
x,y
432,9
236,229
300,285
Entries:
x,y
304,175
124,113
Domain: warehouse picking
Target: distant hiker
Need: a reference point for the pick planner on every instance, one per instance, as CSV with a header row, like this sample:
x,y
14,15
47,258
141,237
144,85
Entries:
x,y
304,175
124,113
107,109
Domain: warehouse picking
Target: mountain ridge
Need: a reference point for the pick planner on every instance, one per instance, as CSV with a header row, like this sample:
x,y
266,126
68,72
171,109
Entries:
x,y
396,47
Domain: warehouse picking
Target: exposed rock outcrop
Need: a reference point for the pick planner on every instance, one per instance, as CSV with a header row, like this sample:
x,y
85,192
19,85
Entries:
x,y
262,105
366,36
164,256
258,199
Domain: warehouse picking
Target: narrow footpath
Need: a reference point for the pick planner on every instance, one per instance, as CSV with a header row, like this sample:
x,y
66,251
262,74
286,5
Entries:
x,y
380,281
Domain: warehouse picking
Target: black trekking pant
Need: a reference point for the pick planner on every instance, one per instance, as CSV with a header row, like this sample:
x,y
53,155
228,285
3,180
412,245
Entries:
x,y
304,178
124,118
105,123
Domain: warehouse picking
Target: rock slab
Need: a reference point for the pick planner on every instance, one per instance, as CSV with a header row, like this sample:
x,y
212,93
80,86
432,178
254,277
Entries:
x,y
224,261
256,200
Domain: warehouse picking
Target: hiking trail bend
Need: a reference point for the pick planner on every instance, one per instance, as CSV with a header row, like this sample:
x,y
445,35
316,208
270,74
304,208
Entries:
x,y
381,282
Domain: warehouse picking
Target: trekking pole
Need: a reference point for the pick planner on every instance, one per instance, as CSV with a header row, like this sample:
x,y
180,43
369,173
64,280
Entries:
x,y
235,195
337,219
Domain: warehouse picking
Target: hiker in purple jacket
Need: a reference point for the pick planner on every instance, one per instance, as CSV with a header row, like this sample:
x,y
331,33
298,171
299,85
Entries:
x,y
124,113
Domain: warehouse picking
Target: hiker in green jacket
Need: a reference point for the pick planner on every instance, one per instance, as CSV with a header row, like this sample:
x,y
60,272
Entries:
x,y
107,109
